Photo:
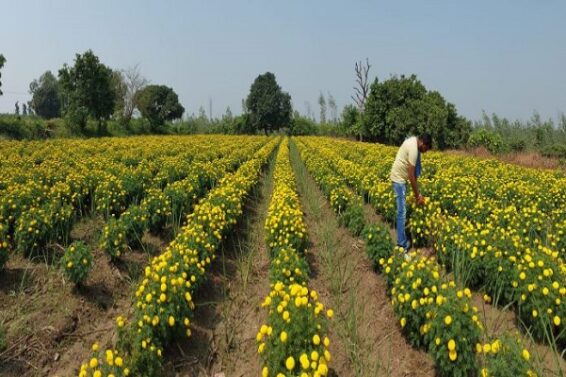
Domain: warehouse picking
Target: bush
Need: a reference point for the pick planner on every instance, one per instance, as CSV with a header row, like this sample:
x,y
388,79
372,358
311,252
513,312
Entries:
x,y
77,262
554,150
22,127
378,243
490,140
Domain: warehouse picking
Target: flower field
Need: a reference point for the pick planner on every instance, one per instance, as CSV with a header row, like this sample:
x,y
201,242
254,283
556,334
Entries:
x,y
81,216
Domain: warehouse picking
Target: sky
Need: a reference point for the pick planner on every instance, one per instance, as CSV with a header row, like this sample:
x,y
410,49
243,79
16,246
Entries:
x,y
506,57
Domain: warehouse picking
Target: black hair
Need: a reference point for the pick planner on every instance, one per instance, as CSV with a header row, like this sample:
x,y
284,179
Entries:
x,y
426,139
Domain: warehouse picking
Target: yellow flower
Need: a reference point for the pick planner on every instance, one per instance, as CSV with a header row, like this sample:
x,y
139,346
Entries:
x,y
290,363
95,347
453,355
447,320
283,336
556,320
264,372
171,321
526,354
330,313
451,345
316,340
93,362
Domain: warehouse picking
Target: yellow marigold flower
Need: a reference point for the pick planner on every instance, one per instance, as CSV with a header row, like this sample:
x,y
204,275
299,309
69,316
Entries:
x,y
171,321
95,347
526,355
283,336
453,355
556,320
290,363
451,345
264,372
448,320
316,339
93,363
330,313
97,373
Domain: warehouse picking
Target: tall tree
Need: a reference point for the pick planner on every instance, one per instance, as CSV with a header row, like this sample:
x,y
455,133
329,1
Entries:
x,y
332,107
120,89
362,84
322,104
401,106
17,108
87,91
45,96
135,82
24,109
159,103
268,106
2,61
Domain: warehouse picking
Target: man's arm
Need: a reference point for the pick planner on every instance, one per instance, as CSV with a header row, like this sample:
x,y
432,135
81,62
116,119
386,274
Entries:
x,y
413,179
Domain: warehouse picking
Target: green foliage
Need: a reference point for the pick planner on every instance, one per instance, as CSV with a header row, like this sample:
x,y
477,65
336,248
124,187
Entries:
x,y
18,127
378,243
301,125
505,357
402,106
76,262
2,61
490,140
87,91
350,120
269,108
352,217
4,245
159,103
555,150
46,96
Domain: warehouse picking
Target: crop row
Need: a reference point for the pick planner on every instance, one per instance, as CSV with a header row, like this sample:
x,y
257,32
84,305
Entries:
x,y
503,254
163,304
36,209
293,342
433,312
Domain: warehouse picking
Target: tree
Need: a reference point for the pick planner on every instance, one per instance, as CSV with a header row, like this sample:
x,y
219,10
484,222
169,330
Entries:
x,y
17,108
322,104
402,106
362,84
134,82
119,88
269,108
159,103
87,90
46,96
24,109
2,61
333,108
350,119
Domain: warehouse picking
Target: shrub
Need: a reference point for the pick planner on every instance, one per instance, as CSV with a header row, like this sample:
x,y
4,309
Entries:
x,y
76,262
490,140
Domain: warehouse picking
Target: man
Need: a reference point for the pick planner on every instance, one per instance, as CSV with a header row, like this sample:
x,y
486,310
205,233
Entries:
x,y
406,169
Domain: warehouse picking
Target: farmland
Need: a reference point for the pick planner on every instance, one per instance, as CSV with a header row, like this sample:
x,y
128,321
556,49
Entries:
x,y
274,256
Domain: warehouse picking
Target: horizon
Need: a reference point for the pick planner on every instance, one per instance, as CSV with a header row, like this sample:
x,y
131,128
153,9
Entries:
x,y
504,58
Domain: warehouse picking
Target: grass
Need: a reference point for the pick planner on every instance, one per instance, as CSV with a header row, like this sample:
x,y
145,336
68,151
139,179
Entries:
x,y
337,270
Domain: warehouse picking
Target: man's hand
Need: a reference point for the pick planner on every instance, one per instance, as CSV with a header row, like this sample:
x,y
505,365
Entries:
x,y
421,200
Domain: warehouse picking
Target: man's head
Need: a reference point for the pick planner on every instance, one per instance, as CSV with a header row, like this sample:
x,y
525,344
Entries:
x,y
424,142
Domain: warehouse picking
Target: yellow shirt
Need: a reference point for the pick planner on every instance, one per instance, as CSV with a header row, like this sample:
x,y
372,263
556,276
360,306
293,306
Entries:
x,y
407,154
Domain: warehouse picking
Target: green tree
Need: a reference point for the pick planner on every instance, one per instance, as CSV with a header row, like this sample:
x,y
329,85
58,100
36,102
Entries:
x,y
120,89
401,106
302,125
159,103
46,96
350,118
87,90
322,104
2,61
269,108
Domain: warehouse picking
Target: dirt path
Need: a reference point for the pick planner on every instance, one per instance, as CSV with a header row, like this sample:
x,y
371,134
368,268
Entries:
x,y
228,313
366,338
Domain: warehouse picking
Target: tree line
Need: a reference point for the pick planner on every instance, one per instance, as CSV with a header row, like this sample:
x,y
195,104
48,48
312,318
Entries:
x,y
385,111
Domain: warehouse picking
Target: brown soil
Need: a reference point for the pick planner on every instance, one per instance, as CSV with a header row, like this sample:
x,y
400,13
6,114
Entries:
x,y
365,335
229,314
501,320
526,159
50,324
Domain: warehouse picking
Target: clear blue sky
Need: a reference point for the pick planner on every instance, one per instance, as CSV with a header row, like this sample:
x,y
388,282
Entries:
x,y
506,56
